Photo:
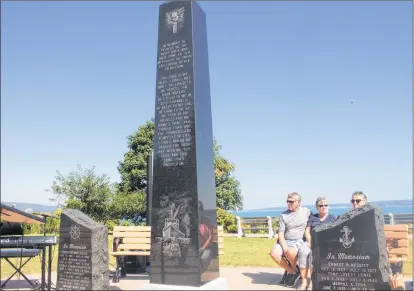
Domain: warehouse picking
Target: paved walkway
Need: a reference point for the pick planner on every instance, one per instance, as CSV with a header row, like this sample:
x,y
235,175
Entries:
x,y
239,278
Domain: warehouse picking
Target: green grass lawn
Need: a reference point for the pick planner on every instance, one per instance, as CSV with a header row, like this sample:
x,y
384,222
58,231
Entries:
x,y
247,252
238,252
255,252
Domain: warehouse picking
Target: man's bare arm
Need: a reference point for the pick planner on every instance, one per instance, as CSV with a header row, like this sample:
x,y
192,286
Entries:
x,y
208,241
282,241
308,235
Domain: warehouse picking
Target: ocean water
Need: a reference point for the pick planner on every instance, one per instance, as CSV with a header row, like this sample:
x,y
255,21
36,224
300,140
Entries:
x,y
394,206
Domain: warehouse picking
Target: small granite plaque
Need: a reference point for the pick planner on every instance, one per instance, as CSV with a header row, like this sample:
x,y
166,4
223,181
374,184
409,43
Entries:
x,y
83,253
351,253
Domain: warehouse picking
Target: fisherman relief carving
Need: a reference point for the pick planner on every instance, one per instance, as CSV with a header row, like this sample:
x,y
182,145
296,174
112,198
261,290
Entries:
x,y
174,240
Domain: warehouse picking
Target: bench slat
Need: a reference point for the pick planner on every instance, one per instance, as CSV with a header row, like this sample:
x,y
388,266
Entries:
x,y
400,227
394,234
400,243
134,246
136,240
399,251
397,258
403,242
130,253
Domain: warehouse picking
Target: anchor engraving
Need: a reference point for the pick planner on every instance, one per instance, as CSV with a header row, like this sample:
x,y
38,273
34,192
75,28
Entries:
x,y
345,239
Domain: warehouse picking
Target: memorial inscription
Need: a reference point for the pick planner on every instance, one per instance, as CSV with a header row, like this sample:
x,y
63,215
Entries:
x,y
83,253
74,264
350,253
174,102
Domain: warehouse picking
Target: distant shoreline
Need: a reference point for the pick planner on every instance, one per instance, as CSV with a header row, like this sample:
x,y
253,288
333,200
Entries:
x,y
387,206
402,202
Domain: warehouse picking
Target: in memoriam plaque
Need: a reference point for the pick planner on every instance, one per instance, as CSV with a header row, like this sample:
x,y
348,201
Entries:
x,y
351,253
83,253
183,214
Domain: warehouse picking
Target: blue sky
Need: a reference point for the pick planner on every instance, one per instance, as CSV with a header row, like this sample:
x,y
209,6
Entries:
x,y
77,78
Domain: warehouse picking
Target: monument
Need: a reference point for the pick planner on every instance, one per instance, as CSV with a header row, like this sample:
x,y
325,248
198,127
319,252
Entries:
x,y
351,253
183,213
83,253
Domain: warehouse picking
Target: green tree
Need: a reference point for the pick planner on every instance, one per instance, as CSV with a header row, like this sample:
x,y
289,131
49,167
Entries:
x,y
86,191
133,169
128,205
228,191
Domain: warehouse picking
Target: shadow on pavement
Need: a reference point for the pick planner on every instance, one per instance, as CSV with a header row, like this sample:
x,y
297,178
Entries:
x,y
264,278
130,277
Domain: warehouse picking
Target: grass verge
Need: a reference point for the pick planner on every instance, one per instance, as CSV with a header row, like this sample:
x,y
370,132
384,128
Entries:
x,y
255,252
238,252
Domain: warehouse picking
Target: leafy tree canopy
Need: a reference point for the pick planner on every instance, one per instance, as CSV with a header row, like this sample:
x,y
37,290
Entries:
x,y
133,169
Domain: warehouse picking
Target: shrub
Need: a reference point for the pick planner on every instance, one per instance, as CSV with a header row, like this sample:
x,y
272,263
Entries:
x,y
227,220
111,223
52,225
275,224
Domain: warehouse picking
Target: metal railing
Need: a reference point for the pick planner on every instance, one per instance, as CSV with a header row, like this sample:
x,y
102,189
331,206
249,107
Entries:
x,y
263,226
398,218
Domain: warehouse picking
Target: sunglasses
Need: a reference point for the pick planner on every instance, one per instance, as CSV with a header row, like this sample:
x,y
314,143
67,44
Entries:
x,y
290,201
356,200
323,205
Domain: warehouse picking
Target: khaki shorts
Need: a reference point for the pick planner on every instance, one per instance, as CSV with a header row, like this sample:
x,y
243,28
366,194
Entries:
x,y
291,243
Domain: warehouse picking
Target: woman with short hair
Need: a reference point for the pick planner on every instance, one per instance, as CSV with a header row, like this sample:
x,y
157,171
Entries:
x,y
305,253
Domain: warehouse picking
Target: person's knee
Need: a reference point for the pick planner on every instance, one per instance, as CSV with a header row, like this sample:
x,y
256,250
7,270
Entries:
x,y
276,254
291,254
207,254
206,258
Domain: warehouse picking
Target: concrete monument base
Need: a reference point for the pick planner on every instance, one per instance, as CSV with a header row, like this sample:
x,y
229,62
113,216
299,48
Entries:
x,y
217,284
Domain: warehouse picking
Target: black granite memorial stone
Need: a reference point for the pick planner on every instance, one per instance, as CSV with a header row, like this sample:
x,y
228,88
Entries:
x,y
183,213
83,253
351,253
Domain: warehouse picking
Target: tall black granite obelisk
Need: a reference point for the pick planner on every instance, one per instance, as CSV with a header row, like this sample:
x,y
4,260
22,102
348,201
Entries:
x,y
184,199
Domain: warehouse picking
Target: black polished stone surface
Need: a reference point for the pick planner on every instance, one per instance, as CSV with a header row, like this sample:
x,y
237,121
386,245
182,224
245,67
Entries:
x,y
351,253
83,253
183,193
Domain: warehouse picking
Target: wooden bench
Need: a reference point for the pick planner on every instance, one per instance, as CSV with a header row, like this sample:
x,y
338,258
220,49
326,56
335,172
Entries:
x,y
397,245
136,240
